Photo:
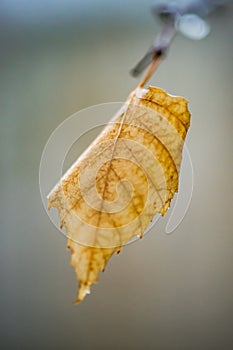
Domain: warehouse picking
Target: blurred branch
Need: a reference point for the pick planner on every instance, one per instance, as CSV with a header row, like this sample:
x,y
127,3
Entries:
x,y
157,52
170,14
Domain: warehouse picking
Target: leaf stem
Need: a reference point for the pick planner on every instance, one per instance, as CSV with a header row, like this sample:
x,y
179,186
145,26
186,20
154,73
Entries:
x,y
152,67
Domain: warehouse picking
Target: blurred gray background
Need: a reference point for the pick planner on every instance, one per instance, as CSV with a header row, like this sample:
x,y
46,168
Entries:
x,y
164,292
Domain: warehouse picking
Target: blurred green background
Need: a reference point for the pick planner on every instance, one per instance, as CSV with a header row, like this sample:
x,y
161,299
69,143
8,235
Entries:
x,y
164,292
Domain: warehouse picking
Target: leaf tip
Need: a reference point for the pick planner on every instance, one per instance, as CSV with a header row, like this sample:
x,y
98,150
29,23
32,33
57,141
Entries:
x,y
83,291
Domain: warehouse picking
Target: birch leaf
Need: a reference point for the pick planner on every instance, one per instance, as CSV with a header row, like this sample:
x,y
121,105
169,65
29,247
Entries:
x,y
126,176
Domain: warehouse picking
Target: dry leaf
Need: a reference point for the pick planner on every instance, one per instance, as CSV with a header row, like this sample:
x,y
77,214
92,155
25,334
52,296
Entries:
x,y
127,176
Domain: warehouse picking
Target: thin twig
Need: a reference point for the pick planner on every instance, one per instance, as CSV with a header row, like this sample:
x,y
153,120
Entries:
x,y
158,51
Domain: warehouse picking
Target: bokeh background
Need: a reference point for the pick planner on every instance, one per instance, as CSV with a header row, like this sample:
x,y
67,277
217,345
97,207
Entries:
x,y
164,292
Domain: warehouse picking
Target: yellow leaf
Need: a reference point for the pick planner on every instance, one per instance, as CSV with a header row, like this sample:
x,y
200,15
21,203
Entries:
x,y
127,176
